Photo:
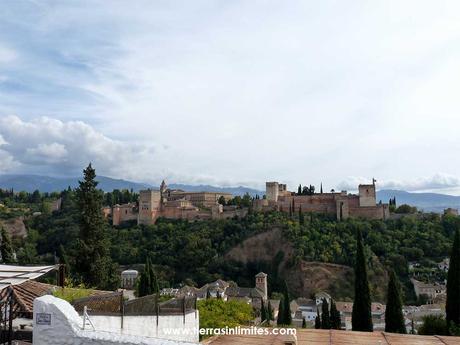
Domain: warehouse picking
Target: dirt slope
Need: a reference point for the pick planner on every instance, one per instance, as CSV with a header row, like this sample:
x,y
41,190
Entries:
x,y
261,247
15,227
306,278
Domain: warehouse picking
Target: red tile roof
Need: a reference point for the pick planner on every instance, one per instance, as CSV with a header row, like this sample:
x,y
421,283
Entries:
x,y
26,292
334,337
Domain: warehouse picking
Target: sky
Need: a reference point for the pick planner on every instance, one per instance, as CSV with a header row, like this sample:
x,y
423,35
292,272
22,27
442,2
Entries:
x,y
234,92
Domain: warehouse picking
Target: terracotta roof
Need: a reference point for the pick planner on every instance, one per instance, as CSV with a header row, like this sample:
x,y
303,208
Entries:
x,y
237,291
25,293
334,337
348,307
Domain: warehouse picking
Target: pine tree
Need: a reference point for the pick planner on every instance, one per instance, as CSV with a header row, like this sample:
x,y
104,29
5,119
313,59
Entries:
x,y
6,248
299,190
325,319
317,320
361,316
94,264
394,319
287,318
304,322
263,312
280,318
453,285
335,316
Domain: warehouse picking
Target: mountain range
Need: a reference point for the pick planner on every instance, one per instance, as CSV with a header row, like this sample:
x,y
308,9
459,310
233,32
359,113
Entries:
x,y
430,202
29,183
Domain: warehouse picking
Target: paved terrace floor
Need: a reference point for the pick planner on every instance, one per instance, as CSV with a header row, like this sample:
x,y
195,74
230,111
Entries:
x,y
334,337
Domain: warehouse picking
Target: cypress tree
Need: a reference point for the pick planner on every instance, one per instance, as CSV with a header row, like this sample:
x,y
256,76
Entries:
x,y
147,277
63,260
143,287
153,286
301,216
317,320
93,262
287,318
326,319
299,190
394,319
269,311
280,318
6,248
304,322
361,316
453,285
263,312
335,316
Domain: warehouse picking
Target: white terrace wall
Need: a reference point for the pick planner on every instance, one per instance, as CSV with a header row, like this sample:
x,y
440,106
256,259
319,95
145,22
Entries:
x,y
169,326
57,323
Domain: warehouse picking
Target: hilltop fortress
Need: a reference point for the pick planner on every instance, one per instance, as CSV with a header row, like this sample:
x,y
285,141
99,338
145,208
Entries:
x,y
340,204
174,204
179,204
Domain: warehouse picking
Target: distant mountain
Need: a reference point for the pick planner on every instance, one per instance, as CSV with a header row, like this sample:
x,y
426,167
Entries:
x,y
29,183
430,202
207,188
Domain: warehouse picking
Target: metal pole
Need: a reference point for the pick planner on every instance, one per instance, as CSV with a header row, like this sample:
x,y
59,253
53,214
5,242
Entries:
x,y
183,308
157,308
122,308
10,325
84,316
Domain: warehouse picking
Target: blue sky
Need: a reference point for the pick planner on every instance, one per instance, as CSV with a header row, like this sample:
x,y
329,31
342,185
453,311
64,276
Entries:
x,y
233,92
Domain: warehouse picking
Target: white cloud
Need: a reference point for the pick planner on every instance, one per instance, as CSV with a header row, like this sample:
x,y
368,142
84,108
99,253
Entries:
x,y
439,182
49,153
7,163
58,147
237,92
7,54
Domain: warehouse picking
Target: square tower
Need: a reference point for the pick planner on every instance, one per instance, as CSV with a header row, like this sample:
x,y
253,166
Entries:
x,y
261,284
149,206
272,191
367,196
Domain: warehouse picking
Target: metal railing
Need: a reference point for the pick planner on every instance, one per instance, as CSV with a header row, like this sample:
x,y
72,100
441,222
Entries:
x,y
114,304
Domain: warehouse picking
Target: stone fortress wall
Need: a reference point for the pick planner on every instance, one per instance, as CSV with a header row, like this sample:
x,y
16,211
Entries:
x,y
178,204
341,204
174,204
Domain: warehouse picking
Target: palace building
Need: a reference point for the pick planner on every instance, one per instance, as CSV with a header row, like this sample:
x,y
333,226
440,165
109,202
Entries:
x,y
174,204
340,204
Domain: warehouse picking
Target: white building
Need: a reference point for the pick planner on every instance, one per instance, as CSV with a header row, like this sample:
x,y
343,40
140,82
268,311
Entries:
x,y
128,279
